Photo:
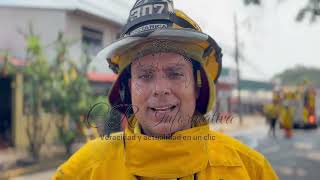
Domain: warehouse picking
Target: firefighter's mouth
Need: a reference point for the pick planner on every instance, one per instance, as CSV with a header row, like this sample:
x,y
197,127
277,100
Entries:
x,y
167,108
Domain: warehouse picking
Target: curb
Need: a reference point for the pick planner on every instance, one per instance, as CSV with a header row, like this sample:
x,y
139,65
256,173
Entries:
x,y
42,166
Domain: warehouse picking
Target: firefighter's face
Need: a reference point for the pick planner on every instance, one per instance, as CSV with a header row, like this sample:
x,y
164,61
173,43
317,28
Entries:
x,y
163,88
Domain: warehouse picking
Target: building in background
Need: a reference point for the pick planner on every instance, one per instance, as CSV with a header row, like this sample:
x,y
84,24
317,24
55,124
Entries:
x,y
254,94
95,23
91,24
101,82
226,84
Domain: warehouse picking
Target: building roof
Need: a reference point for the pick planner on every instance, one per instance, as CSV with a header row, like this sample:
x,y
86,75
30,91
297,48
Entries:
x,y
92,76
224,86
13,60
113,10
255,85
102,77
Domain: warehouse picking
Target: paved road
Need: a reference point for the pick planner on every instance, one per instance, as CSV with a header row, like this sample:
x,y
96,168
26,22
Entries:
x,y
294,159
46,175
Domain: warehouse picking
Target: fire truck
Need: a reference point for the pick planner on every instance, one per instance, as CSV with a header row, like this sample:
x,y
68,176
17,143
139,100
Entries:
x,y
303,102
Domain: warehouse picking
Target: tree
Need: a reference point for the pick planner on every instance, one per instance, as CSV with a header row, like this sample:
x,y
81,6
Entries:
x,y
60,89
312,8
36,87
298,74
70,93
254,2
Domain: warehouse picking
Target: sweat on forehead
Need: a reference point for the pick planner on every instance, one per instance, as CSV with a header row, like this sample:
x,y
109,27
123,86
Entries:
x,y
155,58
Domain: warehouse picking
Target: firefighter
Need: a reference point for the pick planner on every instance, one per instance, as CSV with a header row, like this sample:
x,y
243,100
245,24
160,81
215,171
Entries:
x,y
271,112
287,115
167,68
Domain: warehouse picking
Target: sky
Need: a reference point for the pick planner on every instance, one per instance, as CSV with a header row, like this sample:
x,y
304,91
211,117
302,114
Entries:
x,y
270,38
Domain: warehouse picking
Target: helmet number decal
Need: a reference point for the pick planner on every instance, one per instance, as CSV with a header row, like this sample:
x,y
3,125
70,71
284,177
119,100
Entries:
x,y
147,9
160,8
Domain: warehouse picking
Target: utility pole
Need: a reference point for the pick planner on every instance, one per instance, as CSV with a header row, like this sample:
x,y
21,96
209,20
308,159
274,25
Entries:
x,y
236,58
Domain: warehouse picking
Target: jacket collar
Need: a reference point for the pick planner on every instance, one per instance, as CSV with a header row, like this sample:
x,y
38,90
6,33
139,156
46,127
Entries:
x,y
171,158
180,156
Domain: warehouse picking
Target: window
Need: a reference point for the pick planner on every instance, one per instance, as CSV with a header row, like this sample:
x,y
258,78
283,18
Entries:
x,y
91,41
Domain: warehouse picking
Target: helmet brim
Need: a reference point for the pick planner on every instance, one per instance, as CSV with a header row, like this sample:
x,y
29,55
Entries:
x,y
124,44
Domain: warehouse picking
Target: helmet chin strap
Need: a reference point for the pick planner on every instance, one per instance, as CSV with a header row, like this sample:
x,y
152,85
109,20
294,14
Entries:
x,y
199,81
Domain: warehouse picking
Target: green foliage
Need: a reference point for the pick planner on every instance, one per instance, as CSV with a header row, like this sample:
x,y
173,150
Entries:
x,y
60,88
298,74
70,93
67,137
33,44
36,87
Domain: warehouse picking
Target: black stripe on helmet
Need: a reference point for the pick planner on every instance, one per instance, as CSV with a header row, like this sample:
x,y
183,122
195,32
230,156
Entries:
x,y
181,22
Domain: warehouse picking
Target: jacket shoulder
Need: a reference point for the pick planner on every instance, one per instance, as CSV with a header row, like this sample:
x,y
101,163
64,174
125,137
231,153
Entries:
x,y
90,155
239,147
239,154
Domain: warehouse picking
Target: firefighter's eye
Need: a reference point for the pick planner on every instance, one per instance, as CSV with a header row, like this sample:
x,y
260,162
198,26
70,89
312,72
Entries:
x,y
175,75
145,76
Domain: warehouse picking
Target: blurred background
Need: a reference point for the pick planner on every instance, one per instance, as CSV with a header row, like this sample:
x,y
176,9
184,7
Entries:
x,y
53,92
